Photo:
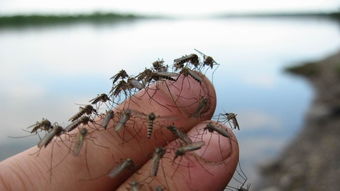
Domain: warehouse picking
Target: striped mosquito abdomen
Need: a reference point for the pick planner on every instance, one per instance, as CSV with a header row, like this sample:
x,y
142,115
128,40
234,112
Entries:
x,y
151,119
83,120
77,115
88,109
164,75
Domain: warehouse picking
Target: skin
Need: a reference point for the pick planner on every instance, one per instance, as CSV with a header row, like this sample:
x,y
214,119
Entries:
x,y
211,167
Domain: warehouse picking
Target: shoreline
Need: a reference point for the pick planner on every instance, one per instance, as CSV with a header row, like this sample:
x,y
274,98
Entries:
x,y
22,20
311,159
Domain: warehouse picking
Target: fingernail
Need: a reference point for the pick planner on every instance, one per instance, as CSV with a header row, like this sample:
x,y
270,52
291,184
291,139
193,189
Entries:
x,y
217,148
188,96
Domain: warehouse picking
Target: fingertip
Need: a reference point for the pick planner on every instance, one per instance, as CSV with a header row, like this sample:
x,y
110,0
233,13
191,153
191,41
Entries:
x,y
187,94
216,161
209,168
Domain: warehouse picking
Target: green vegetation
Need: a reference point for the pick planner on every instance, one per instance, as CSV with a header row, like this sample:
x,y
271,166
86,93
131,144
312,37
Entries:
x,y
308,69
27,20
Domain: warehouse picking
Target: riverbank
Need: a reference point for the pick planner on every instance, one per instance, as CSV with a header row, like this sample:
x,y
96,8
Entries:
x,y
23,20
312,160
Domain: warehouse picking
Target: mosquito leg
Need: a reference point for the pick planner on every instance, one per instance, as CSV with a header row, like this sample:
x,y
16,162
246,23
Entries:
x,y
151,98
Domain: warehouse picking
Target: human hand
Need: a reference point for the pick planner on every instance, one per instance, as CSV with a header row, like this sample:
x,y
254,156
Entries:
x,y
55,168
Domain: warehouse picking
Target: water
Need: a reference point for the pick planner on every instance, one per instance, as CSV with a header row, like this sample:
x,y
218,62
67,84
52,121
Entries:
x,y
46,70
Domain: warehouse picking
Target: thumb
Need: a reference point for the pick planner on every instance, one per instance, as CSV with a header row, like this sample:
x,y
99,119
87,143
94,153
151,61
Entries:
x,y
210,168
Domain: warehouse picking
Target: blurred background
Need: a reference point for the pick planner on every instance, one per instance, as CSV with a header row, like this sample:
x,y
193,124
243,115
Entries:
x,y
54,54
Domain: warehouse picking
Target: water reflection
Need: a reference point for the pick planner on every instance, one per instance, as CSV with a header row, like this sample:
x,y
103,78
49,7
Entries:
x,y
45,71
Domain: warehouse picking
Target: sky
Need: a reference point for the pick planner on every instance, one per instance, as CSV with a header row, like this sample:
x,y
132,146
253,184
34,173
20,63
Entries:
x,y
173,7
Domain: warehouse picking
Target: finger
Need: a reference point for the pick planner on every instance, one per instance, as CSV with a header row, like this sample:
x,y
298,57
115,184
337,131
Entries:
x,y
209,168
89,170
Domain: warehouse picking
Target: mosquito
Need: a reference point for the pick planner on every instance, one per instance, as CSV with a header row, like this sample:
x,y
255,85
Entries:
x,y
121,86
56,131
88,109
192,58
126,164
109,115
211,128
44,125
232,117
161,75
83,120
134,186
148,76
157,156
80,141
121,74
180,134
188,72
151,117
124,117
207,60
133,83
203,103
188,148
166,75
143,75
100,98
159,66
